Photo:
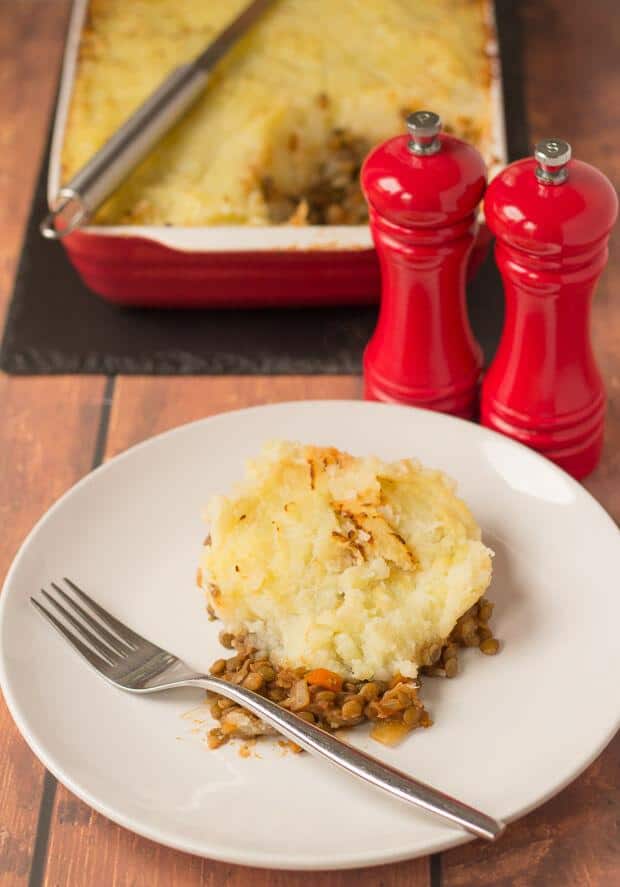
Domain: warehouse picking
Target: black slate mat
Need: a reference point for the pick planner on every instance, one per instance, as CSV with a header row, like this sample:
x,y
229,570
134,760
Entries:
x,y
56,325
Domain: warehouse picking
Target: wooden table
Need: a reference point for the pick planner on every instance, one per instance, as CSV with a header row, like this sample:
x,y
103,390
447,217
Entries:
x,y
55,429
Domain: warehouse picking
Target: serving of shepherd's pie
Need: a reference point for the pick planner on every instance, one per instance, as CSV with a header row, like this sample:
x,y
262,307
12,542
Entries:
x,y
339,580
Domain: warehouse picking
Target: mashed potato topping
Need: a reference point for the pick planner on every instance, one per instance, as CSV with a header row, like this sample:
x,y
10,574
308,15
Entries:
x,y
350,564
259,141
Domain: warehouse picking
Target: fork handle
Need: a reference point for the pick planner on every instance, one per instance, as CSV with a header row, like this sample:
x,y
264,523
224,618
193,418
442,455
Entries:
x,y
318,741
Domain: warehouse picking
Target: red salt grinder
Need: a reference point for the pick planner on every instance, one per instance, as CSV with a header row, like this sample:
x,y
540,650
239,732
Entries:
x,y
552,217
423,192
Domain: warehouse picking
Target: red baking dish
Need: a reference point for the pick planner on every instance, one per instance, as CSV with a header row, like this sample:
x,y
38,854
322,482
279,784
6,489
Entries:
x,y
233,266
142,271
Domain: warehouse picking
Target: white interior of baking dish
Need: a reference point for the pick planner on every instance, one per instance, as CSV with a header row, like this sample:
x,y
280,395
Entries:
x,y
241,238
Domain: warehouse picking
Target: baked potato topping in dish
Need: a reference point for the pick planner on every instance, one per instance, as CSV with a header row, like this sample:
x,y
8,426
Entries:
x,y
338,580
289,113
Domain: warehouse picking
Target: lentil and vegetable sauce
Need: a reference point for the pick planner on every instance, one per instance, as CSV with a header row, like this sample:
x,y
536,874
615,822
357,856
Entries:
x,y
322,697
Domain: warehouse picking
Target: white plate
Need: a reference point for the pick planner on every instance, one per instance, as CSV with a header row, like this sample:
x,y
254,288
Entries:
x,y
508,733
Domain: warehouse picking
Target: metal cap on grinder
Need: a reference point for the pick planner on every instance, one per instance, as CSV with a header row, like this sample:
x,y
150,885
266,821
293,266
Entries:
x,y
424,127
552,156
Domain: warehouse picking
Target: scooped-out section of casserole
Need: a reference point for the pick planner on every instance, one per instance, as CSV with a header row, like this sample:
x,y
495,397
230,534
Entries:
x,y
289,114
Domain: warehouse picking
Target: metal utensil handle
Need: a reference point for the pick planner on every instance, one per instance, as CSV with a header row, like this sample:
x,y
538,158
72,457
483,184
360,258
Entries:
x,y
110,165
358,763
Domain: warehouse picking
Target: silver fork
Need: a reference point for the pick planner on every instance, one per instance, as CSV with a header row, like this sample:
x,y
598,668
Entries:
x,y
129,661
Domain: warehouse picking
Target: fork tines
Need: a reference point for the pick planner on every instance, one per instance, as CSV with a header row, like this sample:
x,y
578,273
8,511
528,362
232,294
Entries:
x,y
108,641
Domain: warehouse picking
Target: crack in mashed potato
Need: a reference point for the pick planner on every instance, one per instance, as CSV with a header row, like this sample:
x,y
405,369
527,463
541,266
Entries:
x,y
350,564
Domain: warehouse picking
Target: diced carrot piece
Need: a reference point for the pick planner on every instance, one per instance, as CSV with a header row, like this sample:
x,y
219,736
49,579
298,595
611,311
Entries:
x,y
396,679
322,677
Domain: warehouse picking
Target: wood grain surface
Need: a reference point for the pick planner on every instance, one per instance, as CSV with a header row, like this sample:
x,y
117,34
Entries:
x,y
145,405
31,39
51,433
48,427
47,441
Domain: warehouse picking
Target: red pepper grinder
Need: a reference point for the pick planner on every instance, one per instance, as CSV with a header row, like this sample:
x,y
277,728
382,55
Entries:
x,y
552,217
423,192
